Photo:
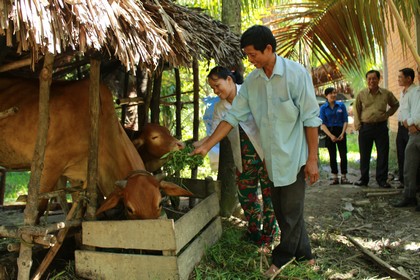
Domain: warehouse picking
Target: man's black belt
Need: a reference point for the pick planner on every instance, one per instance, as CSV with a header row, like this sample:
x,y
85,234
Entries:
x,y
373,123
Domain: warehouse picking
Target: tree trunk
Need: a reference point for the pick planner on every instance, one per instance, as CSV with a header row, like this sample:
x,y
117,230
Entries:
x,y
229,198
231,16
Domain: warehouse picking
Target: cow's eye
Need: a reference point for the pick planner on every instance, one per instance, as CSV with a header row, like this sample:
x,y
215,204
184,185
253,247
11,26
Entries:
x,y
130,210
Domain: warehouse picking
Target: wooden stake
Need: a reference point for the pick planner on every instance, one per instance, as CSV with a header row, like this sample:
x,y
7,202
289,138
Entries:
x,y
393,272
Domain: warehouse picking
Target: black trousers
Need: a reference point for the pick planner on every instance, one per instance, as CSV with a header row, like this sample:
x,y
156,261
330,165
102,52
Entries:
x,y
288,204
332,150
374,133
401,142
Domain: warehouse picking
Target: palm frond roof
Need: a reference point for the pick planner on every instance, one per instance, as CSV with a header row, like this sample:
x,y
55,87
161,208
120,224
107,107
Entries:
x,y
135,32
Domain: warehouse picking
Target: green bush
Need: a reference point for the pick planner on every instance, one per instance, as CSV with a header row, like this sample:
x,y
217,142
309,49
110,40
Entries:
x,y
16,184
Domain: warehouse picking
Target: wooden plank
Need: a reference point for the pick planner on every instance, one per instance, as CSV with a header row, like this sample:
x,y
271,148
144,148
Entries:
x,y
110,266
189,225
138,234
195,251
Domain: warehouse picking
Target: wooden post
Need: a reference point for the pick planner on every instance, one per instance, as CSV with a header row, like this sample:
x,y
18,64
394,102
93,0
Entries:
x,y
31,211
124,95
94,139
155,102
178,103
196,120
143,82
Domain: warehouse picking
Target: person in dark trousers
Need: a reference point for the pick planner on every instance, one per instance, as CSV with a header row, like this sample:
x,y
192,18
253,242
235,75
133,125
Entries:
x,y
410,113
334,118
280,96
373,106
405,80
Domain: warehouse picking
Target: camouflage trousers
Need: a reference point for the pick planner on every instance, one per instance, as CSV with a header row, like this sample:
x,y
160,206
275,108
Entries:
x,y
257,211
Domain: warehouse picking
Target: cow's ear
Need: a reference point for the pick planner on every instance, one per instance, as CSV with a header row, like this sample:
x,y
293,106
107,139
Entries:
x,y
138,142
111,201
172,189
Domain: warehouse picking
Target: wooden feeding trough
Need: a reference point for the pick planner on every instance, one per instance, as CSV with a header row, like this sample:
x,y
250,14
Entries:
x,y
153,249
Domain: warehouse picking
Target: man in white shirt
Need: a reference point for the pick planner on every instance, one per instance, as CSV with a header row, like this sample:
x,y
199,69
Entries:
x,y
410,112
280,96
405,80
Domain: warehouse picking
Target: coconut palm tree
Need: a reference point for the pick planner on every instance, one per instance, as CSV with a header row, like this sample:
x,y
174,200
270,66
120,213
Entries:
x,y
340,32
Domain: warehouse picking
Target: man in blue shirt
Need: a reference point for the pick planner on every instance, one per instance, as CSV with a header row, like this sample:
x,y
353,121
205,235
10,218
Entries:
x,y
280,96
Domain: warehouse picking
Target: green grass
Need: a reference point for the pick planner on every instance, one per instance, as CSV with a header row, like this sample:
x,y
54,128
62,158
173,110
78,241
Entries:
x,y
234,258
16,184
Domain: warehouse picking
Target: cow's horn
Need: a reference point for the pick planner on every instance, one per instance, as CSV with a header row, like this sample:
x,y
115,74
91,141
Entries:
x,y
121,183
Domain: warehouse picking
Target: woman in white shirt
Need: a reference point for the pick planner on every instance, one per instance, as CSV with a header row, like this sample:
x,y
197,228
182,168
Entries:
x,y
248,157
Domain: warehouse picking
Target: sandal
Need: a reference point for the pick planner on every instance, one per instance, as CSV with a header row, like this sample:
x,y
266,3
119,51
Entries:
x,y
345,181
335,181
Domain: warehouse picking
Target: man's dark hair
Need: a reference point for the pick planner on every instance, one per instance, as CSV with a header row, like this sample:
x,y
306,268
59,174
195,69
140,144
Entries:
x,y
374,71
408,72
258,36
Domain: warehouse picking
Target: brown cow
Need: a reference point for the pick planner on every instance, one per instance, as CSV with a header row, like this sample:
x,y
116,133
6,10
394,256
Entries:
x,y
68,142
152,143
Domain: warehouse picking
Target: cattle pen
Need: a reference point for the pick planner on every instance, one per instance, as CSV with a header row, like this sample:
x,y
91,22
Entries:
x,y
85,48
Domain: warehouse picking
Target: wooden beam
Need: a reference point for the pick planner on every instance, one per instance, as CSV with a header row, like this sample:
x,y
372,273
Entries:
x,y
15,65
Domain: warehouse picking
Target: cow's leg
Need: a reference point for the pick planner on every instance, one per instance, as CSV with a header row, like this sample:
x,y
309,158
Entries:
x,y
49,182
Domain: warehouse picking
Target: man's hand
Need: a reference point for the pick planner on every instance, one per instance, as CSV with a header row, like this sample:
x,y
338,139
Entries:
x,y
311,171
412,129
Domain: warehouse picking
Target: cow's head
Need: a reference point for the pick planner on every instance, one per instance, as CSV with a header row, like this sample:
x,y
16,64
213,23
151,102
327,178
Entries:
x,y
153,142
141,195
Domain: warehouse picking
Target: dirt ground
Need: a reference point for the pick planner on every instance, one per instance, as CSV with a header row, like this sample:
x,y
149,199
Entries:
x,y
339,212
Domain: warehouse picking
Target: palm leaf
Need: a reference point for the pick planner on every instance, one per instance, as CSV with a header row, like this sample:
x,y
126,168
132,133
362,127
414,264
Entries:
x,y
338,32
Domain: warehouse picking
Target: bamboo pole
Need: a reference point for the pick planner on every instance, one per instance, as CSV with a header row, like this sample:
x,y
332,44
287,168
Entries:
x,y
31,211
404,31
94,106
392,271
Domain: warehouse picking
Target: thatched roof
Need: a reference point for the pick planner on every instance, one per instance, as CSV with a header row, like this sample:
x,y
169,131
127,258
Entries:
x,y
325,74
134,32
